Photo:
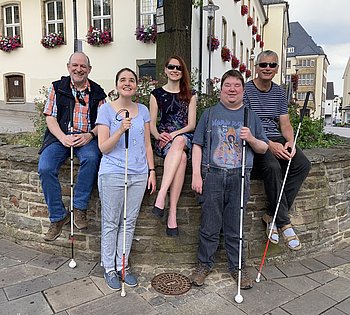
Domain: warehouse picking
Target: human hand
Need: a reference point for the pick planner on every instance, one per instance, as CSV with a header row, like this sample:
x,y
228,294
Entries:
x,y
246,134
125,125
197,184
151,184
279,150
164,138
289,146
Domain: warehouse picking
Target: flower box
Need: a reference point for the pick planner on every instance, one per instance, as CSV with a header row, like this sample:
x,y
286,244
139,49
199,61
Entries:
x,y
254,30
97,37
248,73
214,43
258,38
242,68
9,43
234,62
261,44
250,21
225,54
146,34
52,40
244,9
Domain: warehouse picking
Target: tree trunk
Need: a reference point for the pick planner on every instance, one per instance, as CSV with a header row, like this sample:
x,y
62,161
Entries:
x,y
176,40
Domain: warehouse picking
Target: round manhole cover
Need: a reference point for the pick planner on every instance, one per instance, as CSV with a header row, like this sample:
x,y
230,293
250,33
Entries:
x,y
171,283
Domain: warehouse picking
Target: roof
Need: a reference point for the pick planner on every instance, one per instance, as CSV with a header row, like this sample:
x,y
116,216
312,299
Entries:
x,y
302,42
330,91
273,1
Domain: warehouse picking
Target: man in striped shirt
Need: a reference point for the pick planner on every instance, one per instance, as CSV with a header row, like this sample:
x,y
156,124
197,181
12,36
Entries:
x,y
269,102
72,103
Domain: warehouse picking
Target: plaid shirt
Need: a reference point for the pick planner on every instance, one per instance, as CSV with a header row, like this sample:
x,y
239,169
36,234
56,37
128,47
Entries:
x,y
81,117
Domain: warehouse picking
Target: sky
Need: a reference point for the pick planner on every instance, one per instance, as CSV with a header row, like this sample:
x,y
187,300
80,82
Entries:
x,y
328,23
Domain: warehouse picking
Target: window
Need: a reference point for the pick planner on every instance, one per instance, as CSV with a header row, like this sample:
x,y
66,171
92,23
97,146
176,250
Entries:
x,y
241,51
306,79
290,50
288,78
307,63
54,17
12,26
302,95
148,12
289,64
224,33
101,14
234,40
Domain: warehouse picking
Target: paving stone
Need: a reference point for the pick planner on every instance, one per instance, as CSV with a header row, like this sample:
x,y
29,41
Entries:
x,y
313,264
322,277
32,304
25,288
48,261
344,306
272,272
311,303
337,289
8,262
277,311
263,297
294,269
299,285
344,253
7,246
16,274
115,304
102,285
334,311
341,271
23,254
331,260
63,276
83,266
97,271
2,296
72,294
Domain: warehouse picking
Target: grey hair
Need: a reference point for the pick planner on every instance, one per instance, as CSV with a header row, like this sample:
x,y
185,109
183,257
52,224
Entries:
x,y
266,53
79,52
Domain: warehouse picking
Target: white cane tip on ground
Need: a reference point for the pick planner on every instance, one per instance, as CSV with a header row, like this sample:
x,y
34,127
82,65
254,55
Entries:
x,y
257,280
72,264
123,293
239,298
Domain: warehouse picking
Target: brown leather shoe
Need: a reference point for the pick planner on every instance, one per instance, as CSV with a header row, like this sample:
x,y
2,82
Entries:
x,y
199,274
55,229
246,282
80,219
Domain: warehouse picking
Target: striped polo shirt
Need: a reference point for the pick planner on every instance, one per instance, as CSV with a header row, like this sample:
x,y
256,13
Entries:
x,y
269,106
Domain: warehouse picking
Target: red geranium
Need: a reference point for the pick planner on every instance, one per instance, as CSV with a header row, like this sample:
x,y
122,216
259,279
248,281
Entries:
x,y
234,62
250,21
214,43
254,30
242,68
225,54
261,44
258,37
248,73
9,43
244,9
97,37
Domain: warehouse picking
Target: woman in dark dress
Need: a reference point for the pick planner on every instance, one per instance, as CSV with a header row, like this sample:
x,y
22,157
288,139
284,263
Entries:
x,y
176,105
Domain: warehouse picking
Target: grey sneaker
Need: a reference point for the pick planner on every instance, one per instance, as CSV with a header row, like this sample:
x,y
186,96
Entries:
x,y
129,279
246,282
198,276
55,229
80,219
112,280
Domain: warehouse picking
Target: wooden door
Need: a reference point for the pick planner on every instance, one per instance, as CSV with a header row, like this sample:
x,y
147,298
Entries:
x,y
15,88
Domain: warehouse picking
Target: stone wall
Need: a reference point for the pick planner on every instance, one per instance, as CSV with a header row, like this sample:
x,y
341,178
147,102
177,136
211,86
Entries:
x,y
320,213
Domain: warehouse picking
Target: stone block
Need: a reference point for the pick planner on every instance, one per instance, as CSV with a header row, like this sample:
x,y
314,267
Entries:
x,y
23,222
38,210
328,228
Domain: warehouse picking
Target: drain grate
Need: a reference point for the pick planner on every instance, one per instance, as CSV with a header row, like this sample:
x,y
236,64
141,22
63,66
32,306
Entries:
x,y
171,283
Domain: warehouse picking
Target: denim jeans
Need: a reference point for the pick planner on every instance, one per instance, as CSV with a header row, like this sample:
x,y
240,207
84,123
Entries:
x,y
50,162
220,204
112,188
273,171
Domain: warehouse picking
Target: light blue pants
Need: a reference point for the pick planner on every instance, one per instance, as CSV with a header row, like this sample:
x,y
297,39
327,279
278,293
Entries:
x,y
111,188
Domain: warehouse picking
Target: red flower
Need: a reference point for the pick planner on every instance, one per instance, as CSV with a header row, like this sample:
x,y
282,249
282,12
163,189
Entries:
x,y
234,62
214,43
9,43
250,21
244,9
254,30
146,34
242,68
261,44
258,37
97,37
225,54
248,73
295,79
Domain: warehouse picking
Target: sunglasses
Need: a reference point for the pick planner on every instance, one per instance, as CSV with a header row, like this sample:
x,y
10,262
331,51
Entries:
x,y
265,64
172,67
80,98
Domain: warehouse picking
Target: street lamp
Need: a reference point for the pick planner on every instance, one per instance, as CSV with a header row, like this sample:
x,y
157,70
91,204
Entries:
x,y
210,8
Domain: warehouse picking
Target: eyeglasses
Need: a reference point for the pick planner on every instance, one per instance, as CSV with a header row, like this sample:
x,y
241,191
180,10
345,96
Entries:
x,y
172,67
80,98
265,64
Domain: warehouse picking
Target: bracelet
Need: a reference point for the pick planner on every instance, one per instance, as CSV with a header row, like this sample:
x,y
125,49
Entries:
x,y
92,134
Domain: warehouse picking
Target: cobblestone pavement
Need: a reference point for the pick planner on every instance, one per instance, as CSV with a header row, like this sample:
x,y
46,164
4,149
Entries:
x,y
35,283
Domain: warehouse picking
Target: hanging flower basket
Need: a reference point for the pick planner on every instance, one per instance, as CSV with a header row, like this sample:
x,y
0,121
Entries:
x,y
258,38
242,68
237,0
295,79
254,30
146,34
261,44
52,40
97,37
225,54
234,62
244,10
250,21
9,43
248,73
214,43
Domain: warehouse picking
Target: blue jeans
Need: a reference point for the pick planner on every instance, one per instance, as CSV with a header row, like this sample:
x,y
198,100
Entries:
x,y
111,189
50,162
220,204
